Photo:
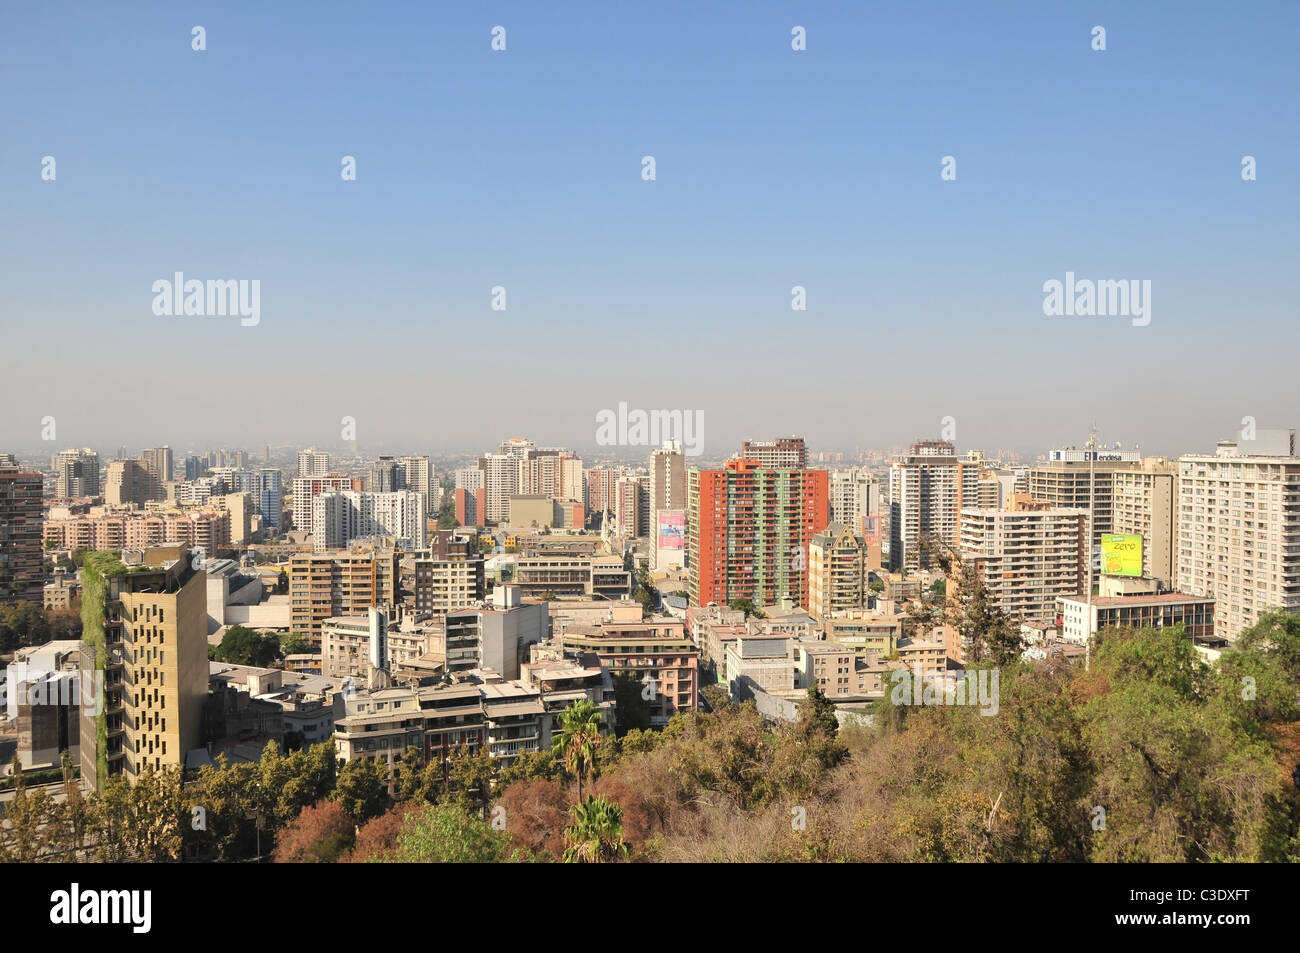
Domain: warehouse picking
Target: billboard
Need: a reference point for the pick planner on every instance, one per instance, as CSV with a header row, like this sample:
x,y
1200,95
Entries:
x,y
1121,554
671,529
871,529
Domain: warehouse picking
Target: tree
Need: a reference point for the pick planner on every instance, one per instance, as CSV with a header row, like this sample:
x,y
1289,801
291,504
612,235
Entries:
x,y
984,627
294,643
532,766
535,815
630,703
29,817
469,777
746,606
318,835
595,832
282,582
362,789
243,646
578,739
629,564
377,838
449,834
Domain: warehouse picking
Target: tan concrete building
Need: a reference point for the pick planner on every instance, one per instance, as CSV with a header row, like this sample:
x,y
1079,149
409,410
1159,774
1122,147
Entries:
x,y
837,571
328,585
868,633
1063,481
1145,502
826,665
445,583
657,651
151,658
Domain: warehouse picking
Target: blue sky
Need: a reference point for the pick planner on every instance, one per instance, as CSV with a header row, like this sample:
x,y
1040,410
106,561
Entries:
x,y
775,168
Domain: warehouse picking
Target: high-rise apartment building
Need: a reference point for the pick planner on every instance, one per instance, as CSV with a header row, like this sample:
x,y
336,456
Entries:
x,y
854,495
22,573
928,486
313,463
340,516
837,571
1064,482
602,488
76,474
1144,501
668,477
667,498
748,531
1239,529
306,489
500,483
324,585
447,582
419,477
387,475
150,658
130,482
783,453
632,505
1027,556
158,461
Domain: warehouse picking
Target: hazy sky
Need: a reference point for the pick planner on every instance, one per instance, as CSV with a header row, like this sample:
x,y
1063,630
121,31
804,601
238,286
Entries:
x,y
522,168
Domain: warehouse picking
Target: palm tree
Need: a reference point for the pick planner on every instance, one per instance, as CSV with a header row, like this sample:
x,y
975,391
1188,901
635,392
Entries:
x,y
578,739
596,833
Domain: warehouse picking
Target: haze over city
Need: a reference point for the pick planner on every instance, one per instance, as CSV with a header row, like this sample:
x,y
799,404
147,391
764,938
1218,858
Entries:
x,y
821,170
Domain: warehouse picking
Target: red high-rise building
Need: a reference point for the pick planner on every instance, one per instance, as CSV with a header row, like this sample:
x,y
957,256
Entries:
x,y
749,527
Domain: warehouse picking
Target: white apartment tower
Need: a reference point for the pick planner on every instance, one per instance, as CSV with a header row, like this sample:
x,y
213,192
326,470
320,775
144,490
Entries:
x,y
313,463
340,516
928,486
854,494
419,477
1027,556
1239,529
76,474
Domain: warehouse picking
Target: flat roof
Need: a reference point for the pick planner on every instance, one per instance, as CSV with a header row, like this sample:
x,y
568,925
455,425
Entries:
x,y
1140,599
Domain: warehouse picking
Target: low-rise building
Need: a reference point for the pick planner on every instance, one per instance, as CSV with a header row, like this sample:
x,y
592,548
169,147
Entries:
x,y
1154,610
656,651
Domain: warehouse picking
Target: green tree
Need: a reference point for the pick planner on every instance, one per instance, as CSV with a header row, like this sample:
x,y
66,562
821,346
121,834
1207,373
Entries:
x,y
469,777
578,739
991,635
595,832
362,789
243,646
449,834
532,766
28,822
746,606
294,643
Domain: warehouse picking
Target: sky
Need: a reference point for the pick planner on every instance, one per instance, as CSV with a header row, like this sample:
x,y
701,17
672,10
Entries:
x,y
774,168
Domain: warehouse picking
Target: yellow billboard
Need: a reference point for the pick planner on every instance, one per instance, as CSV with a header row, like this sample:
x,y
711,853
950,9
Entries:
x,y
1121,554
